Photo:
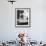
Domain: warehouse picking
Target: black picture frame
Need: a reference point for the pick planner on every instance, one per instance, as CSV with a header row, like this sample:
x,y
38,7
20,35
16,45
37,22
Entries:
x,y
22,17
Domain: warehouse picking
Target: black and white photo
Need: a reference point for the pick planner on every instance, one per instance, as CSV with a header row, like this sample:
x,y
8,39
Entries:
x,y
22,17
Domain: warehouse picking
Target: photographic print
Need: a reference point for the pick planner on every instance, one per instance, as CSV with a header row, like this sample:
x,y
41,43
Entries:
x,y
22,16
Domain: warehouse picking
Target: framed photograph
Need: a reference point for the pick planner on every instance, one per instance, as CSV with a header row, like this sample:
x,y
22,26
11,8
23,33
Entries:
x,y
22,17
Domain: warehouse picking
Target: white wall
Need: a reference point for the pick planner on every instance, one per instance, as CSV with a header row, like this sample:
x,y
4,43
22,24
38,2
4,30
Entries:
x,y
8,31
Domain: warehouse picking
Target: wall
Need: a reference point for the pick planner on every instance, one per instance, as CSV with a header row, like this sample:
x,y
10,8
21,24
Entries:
x,y
8,31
